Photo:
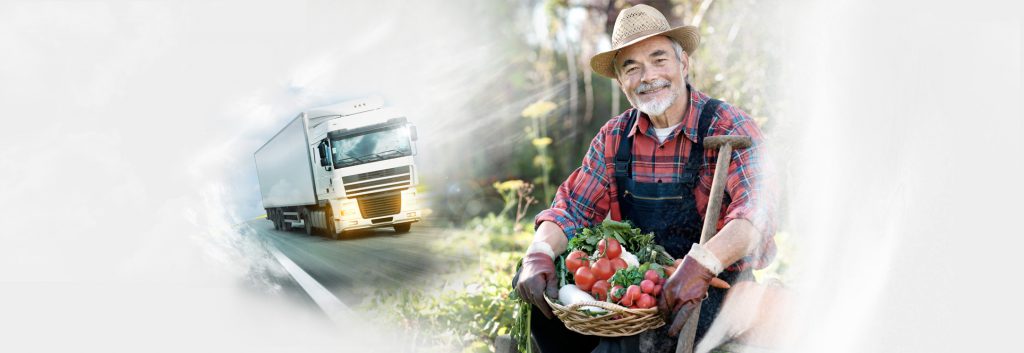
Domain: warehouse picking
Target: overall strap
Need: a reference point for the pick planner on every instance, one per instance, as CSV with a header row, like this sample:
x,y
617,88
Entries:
x,y
624,154
707,114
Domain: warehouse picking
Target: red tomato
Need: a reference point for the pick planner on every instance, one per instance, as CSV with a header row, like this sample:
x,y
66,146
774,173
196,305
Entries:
x,y
602,268
575,260
618,263
584,278
600,290
646,301
614,249
647,286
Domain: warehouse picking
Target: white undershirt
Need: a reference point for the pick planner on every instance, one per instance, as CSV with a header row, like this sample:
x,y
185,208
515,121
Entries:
x,y
662,134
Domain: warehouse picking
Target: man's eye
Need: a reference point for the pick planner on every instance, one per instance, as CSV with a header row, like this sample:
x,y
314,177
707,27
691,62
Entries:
x,y
662,60
631,70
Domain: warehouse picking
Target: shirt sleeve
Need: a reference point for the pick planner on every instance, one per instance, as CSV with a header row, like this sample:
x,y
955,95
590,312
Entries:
x,y
750,187
582,199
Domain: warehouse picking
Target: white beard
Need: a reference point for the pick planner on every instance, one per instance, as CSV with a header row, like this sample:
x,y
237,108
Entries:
x,y
657,106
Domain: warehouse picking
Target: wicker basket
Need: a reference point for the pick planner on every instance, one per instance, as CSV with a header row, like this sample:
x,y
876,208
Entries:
x,y
617,322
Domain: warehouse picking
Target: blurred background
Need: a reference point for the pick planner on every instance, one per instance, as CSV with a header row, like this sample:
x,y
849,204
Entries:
x,y
131,213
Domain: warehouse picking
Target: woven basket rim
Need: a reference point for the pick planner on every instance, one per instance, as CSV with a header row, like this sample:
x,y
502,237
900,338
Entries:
x,y
628,321
610,307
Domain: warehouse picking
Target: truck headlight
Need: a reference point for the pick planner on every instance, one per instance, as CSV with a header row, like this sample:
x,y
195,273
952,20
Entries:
x,y
349,208
408,199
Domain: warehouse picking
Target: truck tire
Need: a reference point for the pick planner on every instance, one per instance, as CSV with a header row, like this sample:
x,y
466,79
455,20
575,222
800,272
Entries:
x,y
403,228
329,219
307,223
272,215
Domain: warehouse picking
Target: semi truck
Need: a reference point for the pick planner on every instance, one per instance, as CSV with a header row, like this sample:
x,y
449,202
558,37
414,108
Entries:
x,y
339,168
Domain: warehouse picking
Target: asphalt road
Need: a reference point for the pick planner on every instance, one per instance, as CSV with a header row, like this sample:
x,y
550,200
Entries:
x,y
353,267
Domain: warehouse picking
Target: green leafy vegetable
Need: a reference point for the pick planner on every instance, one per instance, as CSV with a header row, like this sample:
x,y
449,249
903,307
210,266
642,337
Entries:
x,y
628,276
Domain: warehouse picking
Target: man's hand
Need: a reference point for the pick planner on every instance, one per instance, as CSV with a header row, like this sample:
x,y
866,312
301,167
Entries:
x,y
688,286
536,278
538,273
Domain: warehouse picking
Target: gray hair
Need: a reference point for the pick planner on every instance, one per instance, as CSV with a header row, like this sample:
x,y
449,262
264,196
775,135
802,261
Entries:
x,y
676,46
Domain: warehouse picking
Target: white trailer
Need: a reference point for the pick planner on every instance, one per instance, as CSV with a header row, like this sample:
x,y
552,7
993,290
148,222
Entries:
x,y
341,167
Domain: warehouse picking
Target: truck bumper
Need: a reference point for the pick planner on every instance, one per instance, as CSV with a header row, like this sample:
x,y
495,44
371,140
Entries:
x,y
403,217
405,207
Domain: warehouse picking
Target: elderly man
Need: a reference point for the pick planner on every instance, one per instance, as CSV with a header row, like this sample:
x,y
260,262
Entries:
x,y
648,166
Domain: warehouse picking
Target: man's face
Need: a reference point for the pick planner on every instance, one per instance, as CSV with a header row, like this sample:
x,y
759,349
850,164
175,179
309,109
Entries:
x,y
651,75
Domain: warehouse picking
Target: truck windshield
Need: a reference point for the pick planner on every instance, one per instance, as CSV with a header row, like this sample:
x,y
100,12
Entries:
x,y
371,146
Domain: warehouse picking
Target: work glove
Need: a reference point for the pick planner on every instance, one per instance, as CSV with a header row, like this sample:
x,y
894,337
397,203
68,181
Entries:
x,y
537,277
688,286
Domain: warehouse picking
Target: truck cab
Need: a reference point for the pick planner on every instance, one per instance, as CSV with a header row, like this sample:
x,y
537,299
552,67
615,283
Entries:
x,y
362,170
367,171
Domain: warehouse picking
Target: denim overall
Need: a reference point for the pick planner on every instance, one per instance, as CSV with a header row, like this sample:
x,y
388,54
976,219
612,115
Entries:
x,y
670,211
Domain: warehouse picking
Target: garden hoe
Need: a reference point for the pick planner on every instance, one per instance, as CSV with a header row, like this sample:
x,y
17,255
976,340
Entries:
x,y
725,145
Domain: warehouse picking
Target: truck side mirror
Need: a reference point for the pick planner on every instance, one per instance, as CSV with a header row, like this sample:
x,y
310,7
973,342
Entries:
x,y
412,132
322,149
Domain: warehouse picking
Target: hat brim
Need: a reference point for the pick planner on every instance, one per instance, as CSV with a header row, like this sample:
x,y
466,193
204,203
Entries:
x,y
688,36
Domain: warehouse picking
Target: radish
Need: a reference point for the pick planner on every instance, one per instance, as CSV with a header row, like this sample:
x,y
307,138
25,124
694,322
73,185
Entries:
x,y
646,301
652,275
647,286
633,292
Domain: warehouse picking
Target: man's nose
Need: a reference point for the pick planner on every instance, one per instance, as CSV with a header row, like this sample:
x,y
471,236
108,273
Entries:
x,y
647,76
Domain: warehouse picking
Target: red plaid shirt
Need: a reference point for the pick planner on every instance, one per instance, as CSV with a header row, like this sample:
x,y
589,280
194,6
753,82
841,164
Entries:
x,y
589,193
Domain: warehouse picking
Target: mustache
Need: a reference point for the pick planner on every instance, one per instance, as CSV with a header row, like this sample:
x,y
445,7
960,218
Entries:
x,y
644,87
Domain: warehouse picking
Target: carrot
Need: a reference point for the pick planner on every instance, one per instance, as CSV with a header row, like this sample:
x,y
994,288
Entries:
x,y
719,283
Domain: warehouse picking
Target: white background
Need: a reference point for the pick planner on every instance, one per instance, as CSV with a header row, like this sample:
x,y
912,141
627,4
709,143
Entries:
x,y
128,130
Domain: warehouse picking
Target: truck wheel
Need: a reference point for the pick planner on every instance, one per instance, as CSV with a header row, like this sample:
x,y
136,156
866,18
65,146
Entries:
x,y
307,224
403,228
272,215
329,220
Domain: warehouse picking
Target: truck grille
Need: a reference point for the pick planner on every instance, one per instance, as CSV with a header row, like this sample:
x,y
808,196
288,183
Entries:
x,y
377,181
383,204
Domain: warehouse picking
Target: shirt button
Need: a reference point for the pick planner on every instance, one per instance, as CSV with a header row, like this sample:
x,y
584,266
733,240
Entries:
x,y
661,147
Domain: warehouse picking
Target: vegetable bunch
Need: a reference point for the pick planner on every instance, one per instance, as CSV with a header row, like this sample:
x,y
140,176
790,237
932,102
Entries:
x,y
600,264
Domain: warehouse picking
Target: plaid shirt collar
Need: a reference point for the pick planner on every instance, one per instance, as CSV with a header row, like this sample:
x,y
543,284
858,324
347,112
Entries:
x,y
690,119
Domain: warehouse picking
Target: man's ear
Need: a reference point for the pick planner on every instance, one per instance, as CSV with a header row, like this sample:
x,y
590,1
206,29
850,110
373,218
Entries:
x,y
685,61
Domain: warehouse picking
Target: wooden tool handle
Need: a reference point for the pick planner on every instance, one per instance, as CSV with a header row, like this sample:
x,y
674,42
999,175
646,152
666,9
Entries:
x,y
725,144
716,195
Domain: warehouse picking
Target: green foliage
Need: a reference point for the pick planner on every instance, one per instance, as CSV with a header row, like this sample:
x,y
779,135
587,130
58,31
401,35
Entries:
x,y
538,113
521,324
466,306
627,276
631,238
507,189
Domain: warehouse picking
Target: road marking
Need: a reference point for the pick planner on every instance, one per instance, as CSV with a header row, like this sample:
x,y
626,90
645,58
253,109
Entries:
x,y
337,311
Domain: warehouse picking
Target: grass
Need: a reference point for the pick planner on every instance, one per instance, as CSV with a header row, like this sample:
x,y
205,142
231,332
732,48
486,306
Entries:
x,y
466,305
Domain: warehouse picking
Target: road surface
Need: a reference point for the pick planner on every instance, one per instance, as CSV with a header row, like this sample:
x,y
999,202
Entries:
x,y
353,267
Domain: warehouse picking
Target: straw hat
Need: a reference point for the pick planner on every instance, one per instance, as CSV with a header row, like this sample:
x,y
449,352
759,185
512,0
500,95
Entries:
x,y
636,24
